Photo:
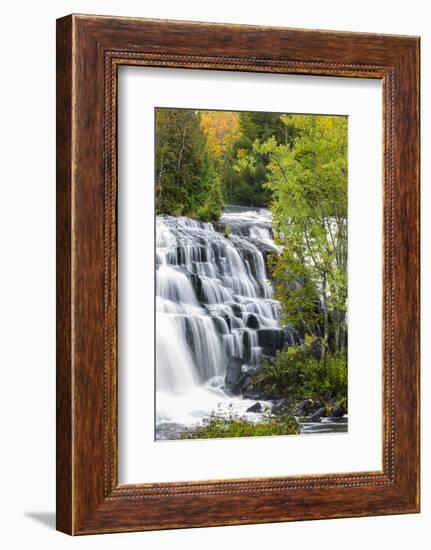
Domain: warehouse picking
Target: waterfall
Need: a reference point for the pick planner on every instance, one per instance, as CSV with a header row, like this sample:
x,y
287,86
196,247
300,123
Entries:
x,y
214,301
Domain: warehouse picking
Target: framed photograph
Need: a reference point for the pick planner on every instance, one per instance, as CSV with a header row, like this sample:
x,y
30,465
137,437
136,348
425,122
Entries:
x,y
237,274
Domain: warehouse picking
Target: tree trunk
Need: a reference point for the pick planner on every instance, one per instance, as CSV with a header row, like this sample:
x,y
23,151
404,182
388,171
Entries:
x,y
182,148
325,320
342,332
337,330
159,183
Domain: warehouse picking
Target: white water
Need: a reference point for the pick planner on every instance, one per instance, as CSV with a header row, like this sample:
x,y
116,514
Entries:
x,y
214,301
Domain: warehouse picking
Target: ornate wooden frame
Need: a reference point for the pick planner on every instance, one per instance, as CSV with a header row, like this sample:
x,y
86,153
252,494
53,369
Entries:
x,y
89,51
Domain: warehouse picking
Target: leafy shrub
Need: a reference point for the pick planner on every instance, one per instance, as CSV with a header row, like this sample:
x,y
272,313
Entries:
x,y
216,427
208,213
294,372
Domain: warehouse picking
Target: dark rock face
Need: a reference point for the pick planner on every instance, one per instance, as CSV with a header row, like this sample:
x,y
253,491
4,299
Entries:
x,y
228,322
316,349
316,405
265,247
234,378
316,416
252,321
304,408
267,251
281,406
233,370
246,342
256,408
271,340
338,412
291,337
236,309
330,397
197,286
221,324
177,256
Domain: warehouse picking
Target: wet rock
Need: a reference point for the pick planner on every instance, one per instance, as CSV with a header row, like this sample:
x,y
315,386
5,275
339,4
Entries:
x,y
271,340
190,335
252,321
235,378
256,408
304,407
316,405
330,397
316,349
246,342
236,309
180,256
246,380
265,247
338,412
233,370
281,405
197,286
200,255
291,336
251,394
316,416
221,325
219,227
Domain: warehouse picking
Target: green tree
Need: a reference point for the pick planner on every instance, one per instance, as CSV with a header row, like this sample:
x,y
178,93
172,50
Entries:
x,y
187,182
308,183
244,172
296,373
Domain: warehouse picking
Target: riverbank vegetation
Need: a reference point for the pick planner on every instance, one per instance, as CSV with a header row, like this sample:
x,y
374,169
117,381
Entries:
x,y
220,427
296,373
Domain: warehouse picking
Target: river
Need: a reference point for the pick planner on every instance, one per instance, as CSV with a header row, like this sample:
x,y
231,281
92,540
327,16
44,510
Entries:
x,y
214,301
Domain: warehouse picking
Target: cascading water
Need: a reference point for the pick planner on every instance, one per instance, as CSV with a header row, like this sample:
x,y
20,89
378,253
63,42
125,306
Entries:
x,y
214,302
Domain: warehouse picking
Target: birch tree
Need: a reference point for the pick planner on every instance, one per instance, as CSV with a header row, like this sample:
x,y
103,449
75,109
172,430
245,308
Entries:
x,y
308,182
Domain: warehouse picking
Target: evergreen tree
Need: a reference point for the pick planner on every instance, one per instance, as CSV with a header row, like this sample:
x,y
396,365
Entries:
x,y
186,179
244,175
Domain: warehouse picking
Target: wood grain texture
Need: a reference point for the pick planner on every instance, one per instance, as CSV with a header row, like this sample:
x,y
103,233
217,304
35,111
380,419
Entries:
x,y
64,497
90,49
